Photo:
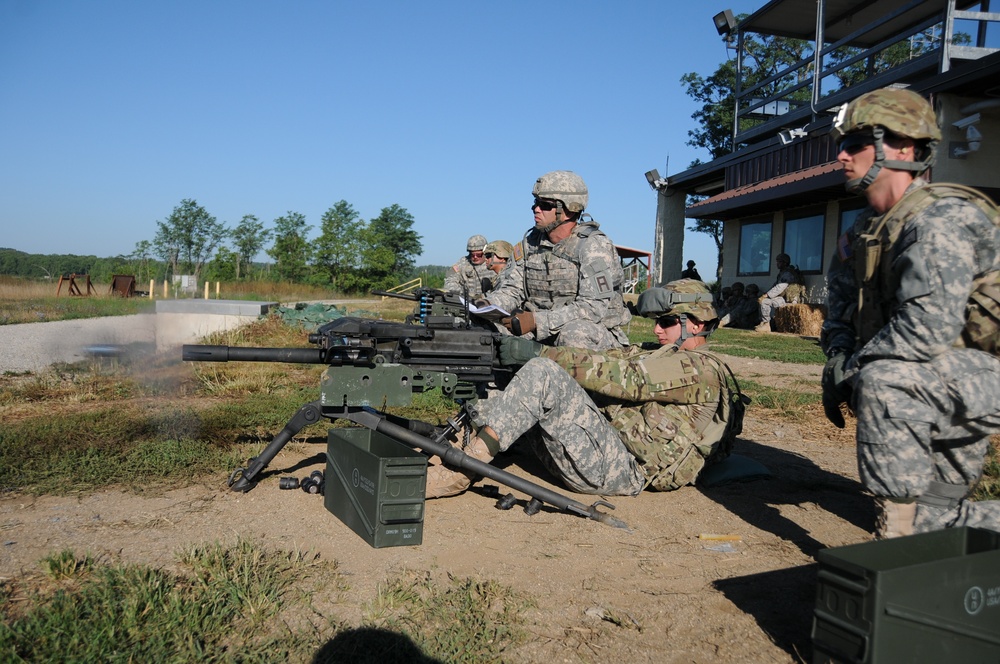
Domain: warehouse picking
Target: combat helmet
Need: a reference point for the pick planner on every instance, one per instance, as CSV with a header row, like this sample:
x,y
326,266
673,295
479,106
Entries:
x,y
682,298
476,243
565,186
899,111
501,248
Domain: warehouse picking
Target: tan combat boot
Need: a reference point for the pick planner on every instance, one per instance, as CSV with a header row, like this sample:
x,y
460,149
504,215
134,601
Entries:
x,y
894,519
443,481
763,327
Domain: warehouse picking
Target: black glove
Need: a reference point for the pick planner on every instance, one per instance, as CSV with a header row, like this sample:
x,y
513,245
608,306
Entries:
x,y
835,390
515,350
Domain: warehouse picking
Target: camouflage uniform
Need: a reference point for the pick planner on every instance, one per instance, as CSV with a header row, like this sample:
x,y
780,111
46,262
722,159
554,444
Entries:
x,y
464,277
925,408
573,288
778,295
613,422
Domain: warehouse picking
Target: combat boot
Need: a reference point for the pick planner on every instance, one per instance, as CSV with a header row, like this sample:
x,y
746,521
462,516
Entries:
x,y
443,481
894,519
763,327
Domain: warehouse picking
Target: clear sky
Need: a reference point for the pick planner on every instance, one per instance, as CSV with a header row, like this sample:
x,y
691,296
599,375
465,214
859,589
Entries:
x,y
113,111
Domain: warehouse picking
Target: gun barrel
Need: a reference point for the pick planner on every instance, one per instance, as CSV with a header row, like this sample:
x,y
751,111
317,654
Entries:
x,y
198,353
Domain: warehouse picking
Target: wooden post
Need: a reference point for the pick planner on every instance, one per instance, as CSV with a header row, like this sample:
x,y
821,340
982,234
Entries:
x,y
152,283
206,290
216,290
165,291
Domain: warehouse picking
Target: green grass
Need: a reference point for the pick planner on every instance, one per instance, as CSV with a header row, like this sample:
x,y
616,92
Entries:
x,y
746,343
246,603
44,309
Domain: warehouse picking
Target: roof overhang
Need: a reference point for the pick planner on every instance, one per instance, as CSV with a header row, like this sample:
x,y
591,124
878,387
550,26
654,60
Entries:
x,y
797,19
823,182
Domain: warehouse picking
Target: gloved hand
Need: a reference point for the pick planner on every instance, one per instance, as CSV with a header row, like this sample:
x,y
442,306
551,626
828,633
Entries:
x,y
515,350
520,323
835,390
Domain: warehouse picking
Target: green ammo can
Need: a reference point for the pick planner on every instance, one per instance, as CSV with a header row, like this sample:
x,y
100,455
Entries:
x,y
376,486
932,597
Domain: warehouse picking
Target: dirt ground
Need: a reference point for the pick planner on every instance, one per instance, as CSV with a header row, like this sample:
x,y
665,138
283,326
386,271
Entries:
x,y
745,595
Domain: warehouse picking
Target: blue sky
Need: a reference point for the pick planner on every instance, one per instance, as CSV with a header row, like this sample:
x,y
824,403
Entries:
x,y
112,112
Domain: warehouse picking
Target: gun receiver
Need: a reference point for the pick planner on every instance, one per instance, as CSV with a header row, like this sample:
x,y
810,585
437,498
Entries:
x,y
375,364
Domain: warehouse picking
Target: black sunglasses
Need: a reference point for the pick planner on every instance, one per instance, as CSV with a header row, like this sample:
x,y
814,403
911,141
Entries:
x,y
543,205
667,321
490,254
855,143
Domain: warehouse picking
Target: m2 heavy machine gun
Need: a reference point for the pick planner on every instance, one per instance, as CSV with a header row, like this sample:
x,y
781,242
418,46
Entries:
x,y
375,478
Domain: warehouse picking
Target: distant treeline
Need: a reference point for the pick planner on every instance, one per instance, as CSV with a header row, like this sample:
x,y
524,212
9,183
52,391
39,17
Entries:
x,y
16,263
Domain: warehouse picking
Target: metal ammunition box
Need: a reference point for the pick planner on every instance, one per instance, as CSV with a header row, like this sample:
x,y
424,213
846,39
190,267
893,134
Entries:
x,y
932,597
376,486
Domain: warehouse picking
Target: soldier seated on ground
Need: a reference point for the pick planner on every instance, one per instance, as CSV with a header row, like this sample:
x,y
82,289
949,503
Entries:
x,y
498,255
617,421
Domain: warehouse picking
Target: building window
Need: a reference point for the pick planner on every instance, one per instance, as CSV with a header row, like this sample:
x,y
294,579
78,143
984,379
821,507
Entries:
x,y
755,248
804,242
847,218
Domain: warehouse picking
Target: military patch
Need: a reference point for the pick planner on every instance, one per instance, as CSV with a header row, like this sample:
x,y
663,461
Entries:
x,y
456,267
519,252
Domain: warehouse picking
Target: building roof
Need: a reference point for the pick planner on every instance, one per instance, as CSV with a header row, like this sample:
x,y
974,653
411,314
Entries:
x,y
791,190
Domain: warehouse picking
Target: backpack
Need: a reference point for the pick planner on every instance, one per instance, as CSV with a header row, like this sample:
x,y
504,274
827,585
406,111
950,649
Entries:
x,y
982,310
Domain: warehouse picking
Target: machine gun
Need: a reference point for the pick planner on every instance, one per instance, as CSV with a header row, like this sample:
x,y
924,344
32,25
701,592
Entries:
x,y
374,364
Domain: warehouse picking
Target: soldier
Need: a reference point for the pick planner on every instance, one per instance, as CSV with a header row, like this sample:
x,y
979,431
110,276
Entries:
x,y
467,275
566,289
787,289
691,272
498,256
903,333
614,422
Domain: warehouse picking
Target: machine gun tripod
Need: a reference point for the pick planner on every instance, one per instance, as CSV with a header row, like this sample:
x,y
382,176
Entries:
x,y
373,365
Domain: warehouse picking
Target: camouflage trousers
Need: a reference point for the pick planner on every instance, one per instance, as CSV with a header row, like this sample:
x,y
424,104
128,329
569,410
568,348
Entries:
x,y
923,432
768,305
580,445
579,334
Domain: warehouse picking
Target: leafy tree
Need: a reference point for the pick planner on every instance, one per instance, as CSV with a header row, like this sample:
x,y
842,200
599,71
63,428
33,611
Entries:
x,y
249,238
338,247
188,237
291,251
223,266
764,57
393,246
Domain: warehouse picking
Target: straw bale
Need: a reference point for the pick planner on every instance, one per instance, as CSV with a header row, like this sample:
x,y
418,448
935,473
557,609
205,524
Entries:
x,y
802,319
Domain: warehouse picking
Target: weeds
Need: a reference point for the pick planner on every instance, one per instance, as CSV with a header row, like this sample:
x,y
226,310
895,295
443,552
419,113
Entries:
x,y
226,607
237,604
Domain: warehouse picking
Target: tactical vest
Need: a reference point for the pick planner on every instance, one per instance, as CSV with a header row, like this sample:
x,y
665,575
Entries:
x,y
796,291
552,276
877,284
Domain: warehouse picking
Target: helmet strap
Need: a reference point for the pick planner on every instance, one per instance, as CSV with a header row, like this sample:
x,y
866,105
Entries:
x,y
560,220
859,185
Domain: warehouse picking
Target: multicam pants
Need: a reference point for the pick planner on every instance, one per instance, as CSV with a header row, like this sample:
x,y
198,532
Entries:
x,y
580,445
923,429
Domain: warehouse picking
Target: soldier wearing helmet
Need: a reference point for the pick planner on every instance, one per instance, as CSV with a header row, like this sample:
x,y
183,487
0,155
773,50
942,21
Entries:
x,y
616,421
498,257
468,275
897,332
567,287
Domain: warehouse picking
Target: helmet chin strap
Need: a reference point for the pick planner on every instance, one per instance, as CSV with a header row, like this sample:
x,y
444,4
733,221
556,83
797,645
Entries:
x,y
686,334
859,185
560,220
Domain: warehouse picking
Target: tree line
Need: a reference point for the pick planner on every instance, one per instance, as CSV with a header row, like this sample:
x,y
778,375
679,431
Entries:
x,y
350,255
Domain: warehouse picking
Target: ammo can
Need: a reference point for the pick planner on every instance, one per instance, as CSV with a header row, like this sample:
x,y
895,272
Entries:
x,y
931,597
376,486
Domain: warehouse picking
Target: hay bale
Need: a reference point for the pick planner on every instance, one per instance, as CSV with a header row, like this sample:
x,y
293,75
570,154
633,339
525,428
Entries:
x,y
803,319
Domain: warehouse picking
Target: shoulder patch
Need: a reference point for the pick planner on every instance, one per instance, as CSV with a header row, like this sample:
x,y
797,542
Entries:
x,y
844,247
519,252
